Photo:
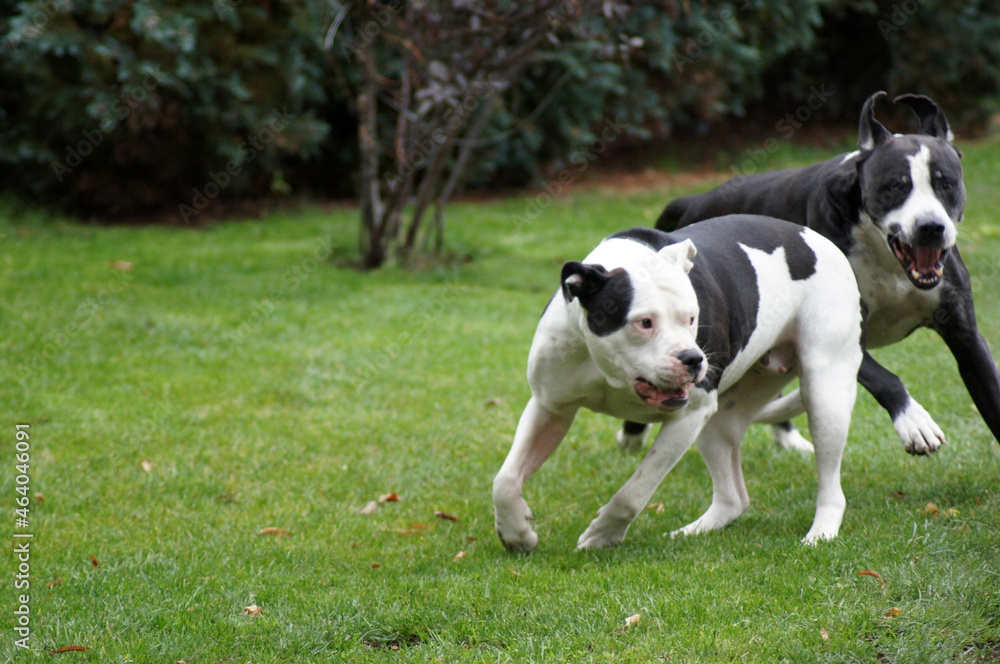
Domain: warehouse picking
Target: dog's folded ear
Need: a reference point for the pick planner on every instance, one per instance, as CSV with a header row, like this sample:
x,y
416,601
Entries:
x,y
583,281
680,254
932,119
870,131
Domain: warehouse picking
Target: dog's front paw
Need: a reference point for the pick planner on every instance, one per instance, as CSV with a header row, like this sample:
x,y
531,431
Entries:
x,y
513,524
594,538
517,535
523,541
918,431
606,530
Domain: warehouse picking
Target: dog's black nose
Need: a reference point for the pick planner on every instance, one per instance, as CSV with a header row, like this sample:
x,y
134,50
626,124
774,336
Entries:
x,y
928,232
692,359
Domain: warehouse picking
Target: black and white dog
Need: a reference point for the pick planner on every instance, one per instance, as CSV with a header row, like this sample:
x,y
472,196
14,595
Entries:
x,y
698,329
892,207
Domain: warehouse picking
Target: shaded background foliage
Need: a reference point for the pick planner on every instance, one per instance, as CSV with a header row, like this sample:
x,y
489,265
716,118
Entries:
x,y
172,100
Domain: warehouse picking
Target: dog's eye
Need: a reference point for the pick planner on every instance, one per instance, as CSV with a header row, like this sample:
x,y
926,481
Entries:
x,y
691,322
646,323
943,183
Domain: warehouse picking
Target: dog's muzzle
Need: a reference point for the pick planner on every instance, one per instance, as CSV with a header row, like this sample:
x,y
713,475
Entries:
x,y
657,398
923,264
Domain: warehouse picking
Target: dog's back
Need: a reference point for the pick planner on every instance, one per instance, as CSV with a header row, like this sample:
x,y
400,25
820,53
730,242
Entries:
x,y
783,194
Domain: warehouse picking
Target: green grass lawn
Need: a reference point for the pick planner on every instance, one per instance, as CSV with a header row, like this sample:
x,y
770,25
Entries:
x,y
240,377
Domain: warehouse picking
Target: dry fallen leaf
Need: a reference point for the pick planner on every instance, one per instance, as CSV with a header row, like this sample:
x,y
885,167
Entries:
x,y
656,507
388,498
369,508
39,497
930,509
868,572
252,610
952,512
93,561
277,532
54,582
444,515
414,529
513,571
123,266
376,565
633,620
459,556
893,613
68,649
825,635
147,466
495,401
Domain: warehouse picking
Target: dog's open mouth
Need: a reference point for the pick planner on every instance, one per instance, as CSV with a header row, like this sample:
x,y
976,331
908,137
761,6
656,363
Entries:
x,y
657,398
923,265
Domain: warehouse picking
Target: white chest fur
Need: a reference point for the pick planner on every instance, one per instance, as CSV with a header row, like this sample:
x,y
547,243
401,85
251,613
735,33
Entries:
x,y
895,306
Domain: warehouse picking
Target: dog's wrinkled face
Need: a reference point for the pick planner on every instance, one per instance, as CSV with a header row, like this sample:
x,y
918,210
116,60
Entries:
x,y
640,323
911,188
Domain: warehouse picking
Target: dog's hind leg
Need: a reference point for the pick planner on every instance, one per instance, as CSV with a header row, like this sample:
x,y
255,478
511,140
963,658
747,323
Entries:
x,y
632,435
787,437
828,392
777,414
719,446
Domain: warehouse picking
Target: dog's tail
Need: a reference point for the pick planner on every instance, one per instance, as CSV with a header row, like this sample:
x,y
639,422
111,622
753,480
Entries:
x,y
670,218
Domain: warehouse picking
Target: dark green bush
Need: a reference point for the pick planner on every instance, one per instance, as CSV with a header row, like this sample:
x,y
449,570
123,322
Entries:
x,y
941,48
115,108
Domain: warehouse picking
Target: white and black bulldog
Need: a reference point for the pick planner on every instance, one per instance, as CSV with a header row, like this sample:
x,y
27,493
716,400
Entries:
x,y
698,329
892,207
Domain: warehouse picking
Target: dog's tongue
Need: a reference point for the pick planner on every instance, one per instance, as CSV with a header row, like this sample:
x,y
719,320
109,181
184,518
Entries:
x,y
655,397
926,259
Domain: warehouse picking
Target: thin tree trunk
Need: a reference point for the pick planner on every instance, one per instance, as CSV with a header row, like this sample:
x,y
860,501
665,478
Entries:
x,y
373,228
468,142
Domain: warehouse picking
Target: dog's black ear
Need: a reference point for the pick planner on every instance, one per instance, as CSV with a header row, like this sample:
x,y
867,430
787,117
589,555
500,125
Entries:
x,y
932,120
583,281
870,131
833,210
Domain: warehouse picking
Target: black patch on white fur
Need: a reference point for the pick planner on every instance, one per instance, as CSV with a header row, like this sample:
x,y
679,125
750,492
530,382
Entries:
x,y
605,296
